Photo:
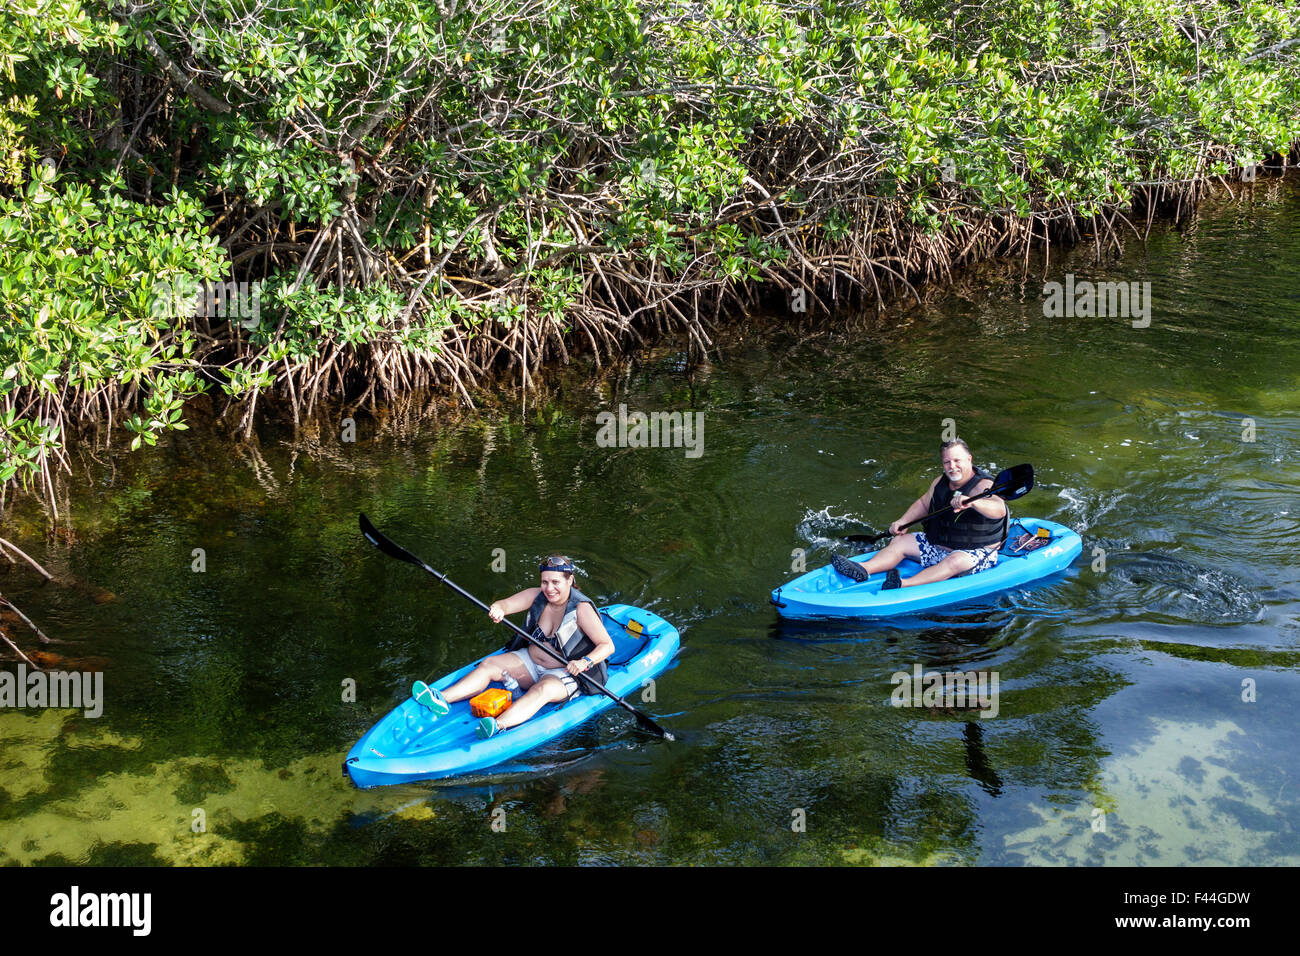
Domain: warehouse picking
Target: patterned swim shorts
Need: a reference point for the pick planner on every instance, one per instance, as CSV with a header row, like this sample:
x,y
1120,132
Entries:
x,y
932,554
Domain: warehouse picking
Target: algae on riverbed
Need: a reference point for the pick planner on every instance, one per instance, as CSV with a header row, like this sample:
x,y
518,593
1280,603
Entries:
x,y
151,808
1170,802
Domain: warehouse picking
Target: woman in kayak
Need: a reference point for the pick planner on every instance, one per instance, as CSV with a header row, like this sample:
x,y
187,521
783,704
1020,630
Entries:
x,y
964,540
559,616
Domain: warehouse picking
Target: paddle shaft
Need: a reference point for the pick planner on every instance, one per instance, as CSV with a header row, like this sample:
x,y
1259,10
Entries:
x,y
394,550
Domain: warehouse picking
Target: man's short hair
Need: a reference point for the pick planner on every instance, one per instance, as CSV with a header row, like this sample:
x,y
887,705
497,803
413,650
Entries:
x,y
949,444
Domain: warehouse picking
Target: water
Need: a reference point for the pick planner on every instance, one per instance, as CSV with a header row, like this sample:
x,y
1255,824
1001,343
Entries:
x,y
1122,735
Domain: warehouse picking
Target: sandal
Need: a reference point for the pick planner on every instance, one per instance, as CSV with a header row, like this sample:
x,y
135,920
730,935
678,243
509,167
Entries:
x,y
850,569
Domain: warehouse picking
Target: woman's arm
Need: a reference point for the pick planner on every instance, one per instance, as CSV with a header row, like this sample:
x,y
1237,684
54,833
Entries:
x,y
513,604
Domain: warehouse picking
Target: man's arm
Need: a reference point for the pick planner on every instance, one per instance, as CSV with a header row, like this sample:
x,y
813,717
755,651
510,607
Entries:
x,y
990,507
917,510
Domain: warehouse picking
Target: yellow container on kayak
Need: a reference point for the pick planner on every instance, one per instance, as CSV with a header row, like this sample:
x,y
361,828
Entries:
x,y
490,703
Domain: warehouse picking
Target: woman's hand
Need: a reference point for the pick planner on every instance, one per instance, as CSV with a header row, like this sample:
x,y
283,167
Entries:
x,y
496,613
577,667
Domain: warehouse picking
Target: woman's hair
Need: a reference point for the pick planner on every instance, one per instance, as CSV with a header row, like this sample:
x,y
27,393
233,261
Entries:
x,y
557,562
949,444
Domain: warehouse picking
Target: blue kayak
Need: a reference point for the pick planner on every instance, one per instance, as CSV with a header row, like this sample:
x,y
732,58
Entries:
x,y
409,744
825,593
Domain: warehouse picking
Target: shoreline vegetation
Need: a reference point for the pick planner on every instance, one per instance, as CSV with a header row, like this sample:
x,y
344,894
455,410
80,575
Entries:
x,y
359,198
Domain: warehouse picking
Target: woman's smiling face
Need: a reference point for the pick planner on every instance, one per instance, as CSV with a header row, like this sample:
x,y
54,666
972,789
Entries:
x,y
555,585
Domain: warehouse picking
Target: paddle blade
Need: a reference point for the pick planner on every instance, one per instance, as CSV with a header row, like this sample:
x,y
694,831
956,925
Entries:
x,y
1014,483
648,725
383,544
863,538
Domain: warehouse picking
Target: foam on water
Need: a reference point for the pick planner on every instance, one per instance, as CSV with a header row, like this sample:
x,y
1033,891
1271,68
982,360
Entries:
x,y
1087,508
821,529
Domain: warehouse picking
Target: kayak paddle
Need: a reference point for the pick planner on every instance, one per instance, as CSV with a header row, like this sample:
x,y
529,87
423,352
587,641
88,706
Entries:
x,y
1011,484
401,554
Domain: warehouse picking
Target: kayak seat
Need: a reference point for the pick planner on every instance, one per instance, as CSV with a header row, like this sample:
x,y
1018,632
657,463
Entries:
x,y
627,644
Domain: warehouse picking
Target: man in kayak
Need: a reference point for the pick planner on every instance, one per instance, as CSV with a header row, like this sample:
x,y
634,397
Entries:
x,y
964,540
559,616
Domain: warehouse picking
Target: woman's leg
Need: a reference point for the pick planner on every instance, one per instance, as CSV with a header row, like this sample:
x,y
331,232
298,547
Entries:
x,y
490,669
545,691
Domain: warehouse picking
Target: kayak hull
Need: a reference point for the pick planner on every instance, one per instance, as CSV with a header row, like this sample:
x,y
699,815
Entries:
x,y
824,593
409,744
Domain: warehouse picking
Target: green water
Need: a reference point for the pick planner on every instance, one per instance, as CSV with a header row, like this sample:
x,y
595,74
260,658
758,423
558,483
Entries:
x,y
1122,735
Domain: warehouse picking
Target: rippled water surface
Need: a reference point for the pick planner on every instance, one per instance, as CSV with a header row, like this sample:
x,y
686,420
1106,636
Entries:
x,y
1148,697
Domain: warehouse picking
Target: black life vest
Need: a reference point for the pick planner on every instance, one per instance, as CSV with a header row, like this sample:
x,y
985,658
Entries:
x,y
969,529
568,636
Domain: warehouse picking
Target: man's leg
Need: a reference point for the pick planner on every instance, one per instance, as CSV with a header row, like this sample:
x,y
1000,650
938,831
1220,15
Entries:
x,y
957,562
903,546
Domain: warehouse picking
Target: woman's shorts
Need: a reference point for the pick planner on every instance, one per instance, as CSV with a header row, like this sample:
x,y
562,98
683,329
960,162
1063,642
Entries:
x,y
932,554
537,673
